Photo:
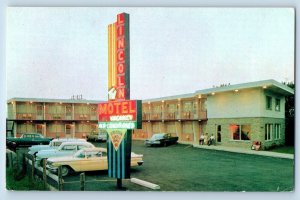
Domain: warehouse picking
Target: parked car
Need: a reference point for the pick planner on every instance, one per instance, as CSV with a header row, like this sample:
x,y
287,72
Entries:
x,y
161,139
11,145
29,139
88,159
54,144
95,136
66,148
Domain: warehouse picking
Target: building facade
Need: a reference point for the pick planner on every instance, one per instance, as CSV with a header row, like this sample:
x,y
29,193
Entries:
x,y
52,117
236,115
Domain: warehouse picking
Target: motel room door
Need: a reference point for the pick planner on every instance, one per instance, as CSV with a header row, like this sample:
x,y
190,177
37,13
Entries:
x,y
219,133
68,131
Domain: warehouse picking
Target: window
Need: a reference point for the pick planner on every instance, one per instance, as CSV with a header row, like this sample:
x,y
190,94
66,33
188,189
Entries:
x,y
68,129
240,132
68,110
277,128
84,146
219,133
69,147
268,131
187,106
39,109
277,104
268,103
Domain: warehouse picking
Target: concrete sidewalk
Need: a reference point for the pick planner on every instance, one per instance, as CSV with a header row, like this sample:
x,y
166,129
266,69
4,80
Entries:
x,y
246,151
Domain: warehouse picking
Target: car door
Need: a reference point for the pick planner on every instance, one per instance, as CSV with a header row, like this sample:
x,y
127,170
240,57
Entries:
x,y
93,161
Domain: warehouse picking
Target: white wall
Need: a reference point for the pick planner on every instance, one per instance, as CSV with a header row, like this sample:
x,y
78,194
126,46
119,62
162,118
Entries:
x,y
244,103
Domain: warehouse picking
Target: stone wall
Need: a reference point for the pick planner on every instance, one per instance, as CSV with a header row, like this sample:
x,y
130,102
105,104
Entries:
x,y
257,131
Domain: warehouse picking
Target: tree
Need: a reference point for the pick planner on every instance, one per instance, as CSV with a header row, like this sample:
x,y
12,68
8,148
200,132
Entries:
x,y
290,116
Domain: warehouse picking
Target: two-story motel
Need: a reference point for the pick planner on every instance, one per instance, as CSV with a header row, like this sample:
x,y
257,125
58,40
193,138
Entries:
x,y
236,115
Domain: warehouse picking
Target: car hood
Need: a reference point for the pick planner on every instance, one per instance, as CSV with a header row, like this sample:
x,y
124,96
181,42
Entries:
x,y
36,147
47,151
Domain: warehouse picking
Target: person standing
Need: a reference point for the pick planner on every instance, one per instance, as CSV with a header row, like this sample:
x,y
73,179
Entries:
x,y
211,140
201,140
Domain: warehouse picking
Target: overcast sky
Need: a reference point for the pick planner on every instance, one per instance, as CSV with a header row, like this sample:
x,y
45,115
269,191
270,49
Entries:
x,y
60,52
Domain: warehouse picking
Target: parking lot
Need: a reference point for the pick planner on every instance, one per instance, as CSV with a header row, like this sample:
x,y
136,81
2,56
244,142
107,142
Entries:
x,y
184,168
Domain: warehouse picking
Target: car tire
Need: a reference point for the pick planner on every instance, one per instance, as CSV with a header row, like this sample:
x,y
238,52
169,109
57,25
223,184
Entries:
x,y
65,170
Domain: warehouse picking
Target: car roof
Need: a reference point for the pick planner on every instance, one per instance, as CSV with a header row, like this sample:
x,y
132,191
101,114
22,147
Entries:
x,y
68,139
94,149
160,134
76,143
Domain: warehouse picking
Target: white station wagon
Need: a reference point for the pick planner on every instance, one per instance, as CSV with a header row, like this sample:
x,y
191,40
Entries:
x,y
54,144
65,149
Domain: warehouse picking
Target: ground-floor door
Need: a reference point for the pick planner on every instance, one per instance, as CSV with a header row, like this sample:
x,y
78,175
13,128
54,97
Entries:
x,y
219,133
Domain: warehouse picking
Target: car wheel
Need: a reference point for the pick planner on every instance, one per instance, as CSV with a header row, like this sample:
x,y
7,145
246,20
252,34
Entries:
x,y
65,170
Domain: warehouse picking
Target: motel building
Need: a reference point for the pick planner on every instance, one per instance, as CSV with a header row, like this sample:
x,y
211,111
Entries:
x,y
236,115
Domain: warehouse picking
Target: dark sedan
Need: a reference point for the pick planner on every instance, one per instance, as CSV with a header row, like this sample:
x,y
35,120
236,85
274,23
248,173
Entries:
x,y
27,139
161,139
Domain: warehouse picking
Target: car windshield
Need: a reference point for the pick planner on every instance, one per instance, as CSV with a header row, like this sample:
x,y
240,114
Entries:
x,y
55,144
157,136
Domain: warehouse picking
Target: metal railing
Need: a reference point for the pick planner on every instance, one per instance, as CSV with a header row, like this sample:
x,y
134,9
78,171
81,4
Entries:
x,y
184,115
55,116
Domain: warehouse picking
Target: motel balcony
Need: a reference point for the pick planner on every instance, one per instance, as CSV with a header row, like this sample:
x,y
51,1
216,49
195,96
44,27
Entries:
x,y
170,115
29,116
54,116
156,116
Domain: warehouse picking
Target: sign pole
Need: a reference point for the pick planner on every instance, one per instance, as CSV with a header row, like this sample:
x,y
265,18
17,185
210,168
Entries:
x,y
119,183
120,115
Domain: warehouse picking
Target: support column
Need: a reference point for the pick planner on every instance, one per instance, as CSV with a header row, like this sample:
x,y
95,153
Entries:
x,y
44,129
162,110
14,110
162,127
196,131
73,129
197,108
178,127
179,105
15,129
73,112
149,129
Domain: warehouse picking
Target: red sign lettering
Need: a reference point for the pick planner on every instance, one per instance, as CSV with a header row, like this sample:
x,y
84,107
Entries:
x,y
117,111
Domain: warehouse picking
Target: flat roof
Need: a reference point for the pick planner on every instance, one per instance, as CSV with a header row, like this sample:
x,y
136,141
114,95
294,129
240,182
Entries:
x,y
270,84
182,96
42,100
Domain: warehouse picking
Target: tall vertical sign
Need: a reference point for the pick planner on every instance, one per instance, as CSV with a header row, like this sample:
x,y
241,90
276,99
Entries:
x,y
120,114
118,59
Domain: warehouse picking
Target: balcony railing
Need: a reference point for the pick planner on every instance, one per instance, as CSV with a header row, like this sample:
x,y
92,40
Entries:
x,y
156,116
185,115
55,116
170,115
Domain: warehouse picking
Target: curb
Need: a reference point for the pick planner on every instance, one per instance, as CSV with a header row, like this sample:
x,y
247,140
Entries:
x,y
245,151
